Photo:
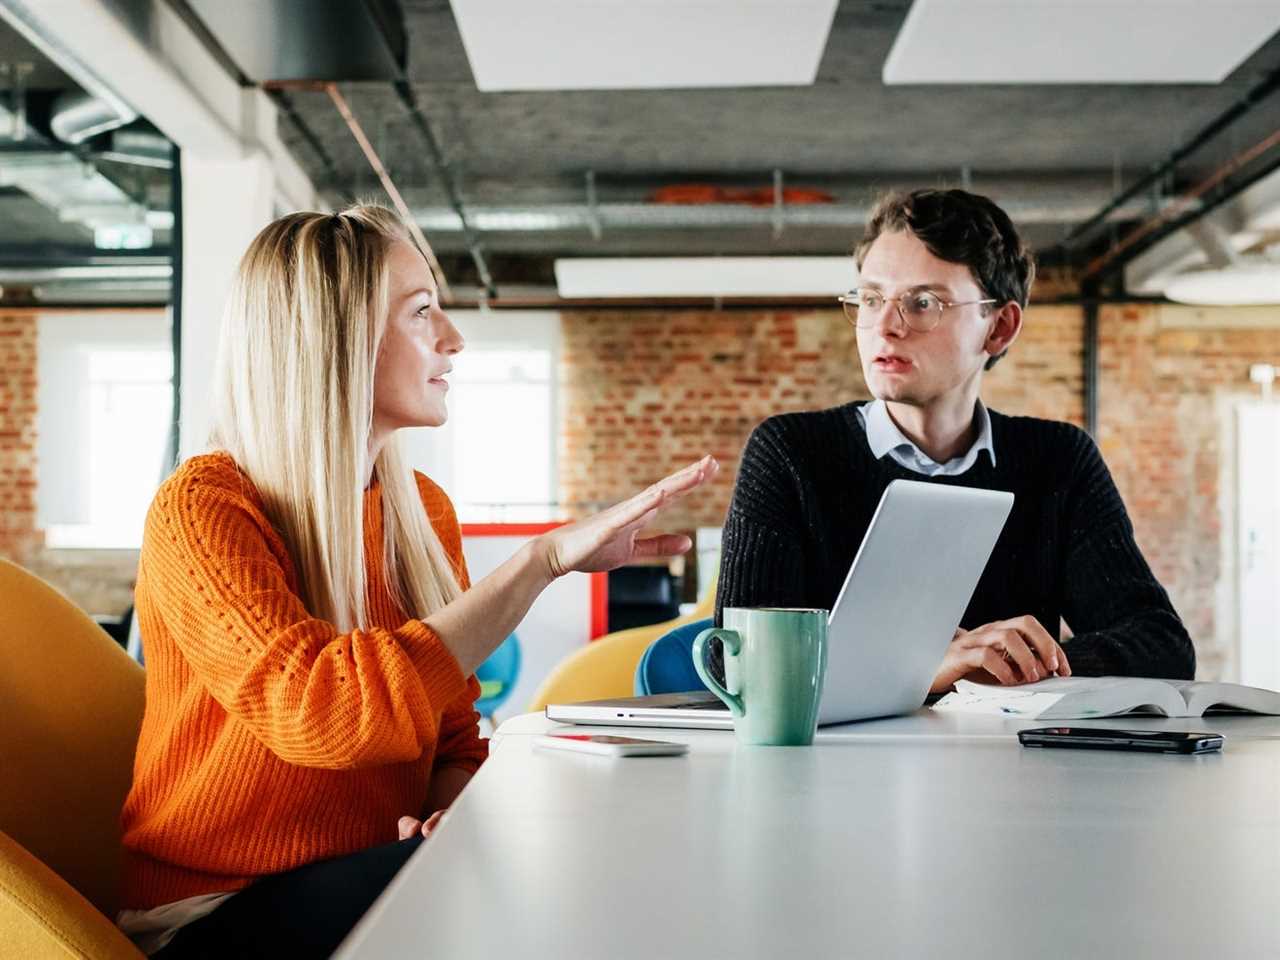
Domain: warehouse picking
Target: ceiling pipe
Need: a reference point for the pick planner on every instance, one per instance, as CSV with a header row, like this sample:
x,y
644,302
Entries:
x,y
18,14
1269,85
1186,209
77,117
441,164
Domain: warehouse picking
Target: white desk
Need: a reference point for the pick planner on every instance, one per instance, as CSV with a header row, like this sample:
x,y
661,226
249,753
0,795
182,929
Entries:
x,y
931,835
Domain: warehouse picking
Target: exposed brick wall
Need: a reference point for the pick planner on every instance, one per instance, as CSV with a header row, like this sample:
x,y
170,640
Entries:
x,y
19,537
1168,386
643,393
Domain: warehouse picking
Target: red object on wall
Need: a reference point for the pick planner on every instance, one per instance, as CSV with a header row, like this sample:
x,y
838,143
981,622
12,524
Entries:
x,y
599,581
704,193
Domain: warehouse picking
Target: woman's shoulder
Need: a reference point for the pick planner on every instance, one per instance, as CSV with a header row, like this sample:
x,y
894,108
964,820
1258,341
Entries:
x,y
432,494
216,470
208,488
439,507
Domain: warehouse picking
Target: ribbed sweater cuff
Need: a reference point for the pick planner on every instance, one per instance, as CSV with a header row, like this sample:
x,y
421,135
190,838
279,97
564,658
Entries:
x,y
441,676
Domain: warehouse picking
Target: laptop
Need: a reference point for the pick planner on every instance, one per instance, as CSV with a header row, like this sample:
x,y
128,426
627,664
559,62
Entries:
x,y
904,595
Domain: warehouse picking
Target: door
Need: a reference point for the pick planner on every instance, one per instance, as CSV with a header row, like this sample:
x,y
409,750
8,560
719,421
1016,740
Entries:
x,y
1258,543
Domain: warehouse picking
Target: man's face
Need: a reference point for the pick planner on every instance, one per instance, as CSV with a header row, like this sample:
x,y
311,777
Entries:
x,y
908,366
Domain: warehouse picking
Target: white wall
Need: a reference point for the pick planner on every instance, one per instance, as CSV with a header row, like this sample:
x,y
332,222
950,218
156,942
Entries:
x,y
224,204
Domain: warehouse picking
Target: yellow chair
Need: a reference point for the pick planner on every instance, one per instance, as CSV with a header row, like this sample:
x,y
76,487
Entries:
x,y
606,668
72,707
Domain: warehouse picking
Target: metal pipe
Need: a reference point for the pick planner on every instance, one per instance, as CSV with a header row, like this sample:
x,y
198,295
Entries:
x,y
423,126
1259,92
357,131
1187,205
1090,358
18,15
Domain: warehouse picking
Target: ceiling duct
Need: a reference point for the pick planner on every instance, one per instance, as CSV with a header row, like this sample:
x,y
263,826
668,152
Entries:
x,y
141,148
78,116
337,40
554,217
81,116
78,193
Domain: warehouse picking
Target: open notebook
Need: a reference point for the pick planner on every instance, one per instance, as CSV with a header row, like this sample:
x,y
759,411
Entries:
x,y
1075,698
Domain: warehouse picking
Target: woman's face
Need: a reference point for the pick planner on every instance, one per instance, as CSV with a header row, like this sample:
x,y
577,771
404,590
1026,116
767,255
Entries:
x,y
417,348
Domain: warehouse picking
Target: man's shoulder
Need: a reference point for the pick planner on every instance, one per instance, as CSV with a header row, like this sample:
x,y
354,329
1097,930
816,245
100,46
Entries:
x,y
813,426
1046,440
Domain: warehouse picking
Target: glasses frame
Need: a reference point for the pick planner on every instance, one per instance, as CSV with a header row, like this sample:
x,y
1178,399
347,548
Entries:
x,y
849,302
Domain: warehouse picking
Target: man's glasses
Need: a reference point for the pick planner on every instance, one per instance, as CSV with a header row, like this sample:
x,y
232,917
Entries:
x,y
921,311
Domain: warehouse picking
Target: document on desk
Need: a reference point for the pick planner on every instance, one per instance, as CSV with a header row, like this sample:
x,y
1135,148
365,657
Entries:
x,y
1077,698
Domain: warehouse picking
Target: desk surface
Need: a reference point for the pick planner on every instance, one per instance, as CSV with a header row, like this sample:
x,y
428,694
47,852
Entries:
x,y
928,835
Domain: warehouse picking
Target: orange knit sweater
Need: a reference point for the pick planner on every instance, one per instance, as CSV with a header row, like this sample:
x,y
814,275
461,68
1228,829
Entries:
x,y
270,740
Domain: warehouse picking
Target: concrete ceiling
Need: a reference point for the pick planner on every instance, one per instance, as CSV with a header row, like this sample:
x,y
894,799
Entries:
x,y
848,134
1052,154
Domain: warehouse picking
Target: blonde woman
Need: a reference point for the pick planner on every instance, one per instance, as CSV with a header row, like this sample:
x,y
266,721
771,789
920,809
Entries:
x,y
310,630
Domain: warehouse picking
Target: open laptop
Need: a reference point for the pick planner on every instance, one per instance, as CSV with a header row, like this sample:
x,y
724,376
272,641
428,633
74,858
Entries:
x,y
901,602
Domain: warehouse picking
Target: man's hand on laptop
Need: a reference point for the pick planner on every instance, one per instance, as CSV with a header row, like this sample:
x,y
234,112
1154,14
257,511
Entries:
x,y
1007,652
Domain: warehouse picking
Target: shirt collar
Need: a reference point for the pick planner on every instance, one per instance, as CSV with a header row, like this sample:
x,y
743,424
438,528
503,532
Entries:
x,y
884,437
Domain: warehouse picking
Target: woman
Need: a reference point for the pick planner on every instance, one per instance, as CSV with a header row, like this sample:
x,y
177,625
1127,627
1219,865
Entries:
x,y
310,630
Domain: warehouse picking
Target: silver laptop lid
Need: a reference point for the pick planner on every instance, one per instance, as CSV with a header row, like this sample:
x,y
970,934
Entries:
x,y
904,596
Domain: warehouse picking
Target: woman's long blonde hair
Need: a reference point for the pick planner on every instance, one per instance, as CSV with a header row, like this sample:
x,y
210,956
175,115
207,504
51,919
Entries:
x,y
293,406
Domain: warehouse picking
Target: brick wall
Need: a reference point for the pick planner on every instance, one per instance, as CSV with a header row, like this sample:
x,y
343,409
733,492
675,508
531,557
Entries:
x,y
643,393
19,537
646,392
1170,379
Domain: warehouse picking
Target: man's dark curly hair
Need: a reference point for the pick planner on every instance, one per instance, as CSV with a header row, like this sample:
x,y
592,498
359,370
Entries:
x,y
960,227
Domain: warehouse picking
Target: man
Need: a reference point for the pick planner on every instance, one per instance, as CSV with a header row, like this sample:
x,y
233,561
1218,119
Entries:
x,y
944,282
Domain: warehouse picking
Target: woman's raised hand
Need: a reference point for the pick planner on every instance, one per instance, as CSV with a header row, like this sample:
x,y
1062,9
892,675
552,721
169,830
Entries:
x,y
611,538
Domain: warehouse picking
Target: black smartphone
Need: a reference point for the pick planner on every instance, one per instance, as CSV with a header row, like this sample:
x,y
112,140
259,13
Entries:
x,y
1103,738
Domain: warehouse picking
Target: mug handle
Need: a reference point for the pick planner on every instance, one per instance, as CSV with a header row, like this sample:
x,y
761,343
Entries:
x,y
732,646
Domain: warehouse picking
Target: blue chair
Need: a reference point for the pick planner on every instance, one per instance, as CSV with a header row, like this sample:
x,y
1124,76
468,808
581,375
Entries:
x,y
497,676
667,666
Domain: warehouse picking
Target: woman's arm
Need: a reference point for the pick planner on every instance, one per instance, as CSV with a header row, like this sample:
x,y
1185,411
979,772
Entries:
x,y
317,697
473,625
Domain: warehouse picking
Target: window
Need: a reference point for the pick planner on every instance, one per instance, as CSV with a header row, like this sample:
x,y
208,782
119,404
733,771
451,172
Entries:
x,y
496,456
504,437
104,414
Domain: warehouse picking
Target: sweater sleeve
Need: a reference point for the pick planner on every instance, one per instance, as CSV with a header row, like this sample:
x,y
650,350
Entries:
x,y
313,696
460,743
762,551
1123,621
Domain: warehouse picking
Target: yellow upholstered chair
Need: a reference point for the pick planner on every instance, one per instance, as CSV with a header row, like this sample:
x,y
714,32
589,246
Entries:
x,y
70,710
606,667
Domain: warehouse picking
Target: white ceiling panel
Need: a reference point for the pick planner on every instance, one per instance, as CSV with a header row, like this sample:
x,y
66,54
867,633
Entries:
x,y
705,276
1078,41
642,44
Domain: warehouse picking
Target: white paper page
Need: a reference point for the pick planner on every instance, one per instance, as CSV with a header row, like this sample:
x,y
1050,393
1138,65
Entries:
x,y
1010,701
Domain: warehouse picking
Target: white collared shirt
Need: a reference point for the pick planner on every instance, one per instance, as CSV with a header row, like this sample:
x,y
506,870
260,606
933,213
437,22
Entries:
x,y
884,437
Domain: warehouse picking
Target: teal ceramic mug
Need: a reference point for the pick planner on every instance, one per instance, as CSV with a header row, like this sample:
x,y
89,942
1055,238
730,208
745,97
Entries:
x,y
774,662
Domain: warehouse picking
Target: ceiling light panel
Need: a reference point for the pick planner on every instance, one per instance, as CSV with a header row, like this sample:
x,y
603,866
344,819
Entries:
x,y
590,277
1078,41
642,44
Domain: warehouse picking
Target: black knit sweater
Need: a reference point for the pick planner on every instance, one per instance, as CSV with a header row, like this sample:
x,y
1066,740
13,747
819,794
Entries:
x,y
808,486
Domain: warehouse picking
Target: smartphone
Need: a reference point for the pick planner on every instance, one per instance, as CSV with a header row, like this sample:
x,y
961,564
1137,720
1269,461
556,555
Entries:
x,y
610,746
1103,738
